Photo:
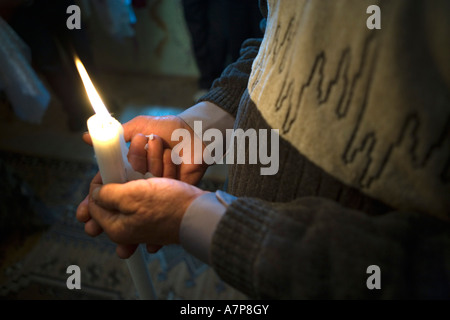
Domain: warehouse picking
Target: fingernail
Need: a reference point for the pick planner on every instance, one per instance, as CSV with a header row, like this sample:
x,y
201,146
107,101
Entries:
x,y
95,193
150,136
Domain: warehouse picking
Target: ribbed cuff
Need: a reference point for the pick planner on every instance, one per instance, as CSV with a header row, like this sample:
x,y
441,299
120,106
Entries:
x,y
236,243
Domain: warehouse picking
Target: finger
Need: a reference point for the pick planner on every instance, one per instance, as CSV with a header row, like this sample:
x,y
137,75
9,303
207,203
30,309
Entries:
x,y
95,182
170,169
155,152
137,155
119,197
111,222
124,251
92,228
162,126
139,124
87,138
82,214
153,248
193,176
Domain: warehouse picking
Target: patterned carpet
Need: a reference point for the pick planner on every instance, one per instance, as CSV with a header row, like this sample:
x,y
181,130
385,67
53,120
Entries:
x,y
40,238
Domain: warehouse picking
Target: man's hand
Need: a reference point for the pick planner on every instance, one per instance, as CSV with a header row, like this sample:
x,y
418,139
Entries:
x,y
144,211
159,161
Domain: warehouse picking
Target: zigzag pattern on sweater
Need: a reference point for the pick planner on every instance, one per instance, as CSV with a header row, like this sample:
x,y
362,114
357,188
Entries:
x,y
315,81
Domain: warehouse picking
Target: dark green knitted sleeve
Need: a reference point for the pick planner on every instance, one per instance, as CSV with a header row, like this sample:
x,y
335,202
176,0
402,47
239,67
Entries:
x,y
227,90
313,248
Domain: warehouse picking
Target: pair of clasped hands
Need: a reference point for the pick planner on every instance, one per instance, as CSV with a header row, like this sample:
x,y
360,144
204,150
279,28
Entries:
x,y
145,211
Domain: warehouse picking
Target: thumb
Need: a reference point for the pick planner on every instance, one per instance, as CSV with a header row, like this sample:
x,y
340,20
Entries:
x,y
108,196
119,197
87,138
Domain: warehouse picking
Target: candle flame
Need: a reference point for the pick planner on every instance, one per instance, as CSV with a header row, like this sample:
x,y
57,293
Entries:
x,y
94,97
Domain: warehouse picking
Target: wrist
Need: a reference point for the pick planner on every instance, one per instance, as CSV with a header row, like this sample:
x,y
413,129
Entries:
x,y
192,197
199,224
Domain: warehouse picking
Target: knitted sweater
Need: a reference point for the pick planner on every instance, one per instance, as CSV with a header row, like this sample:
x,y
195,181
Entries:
x,y
364,118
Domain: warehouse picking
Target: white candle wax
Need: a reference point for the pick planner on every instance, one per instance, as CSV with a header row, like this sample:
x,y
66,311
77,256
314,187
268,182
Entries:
x,y
106,134
111,151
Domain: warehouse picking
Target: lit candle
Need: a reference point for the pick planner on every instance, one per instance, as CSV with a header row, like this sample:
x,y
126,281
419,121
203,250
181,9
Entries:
x,y
111,154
